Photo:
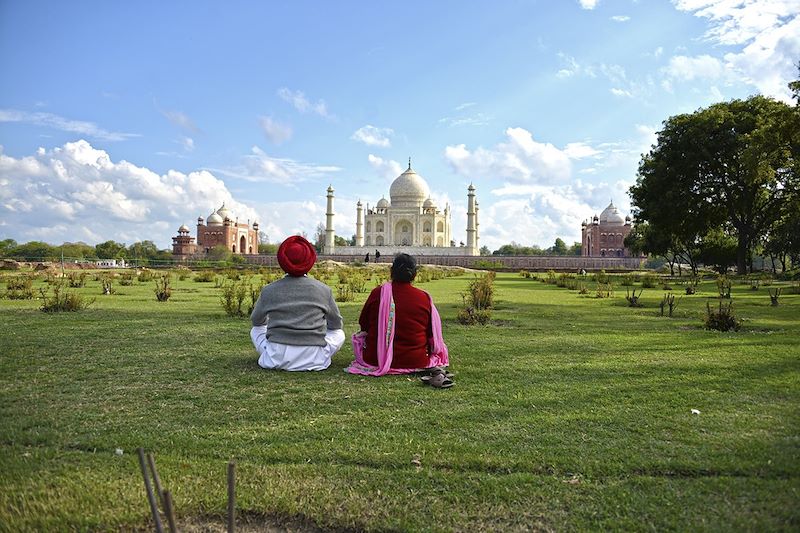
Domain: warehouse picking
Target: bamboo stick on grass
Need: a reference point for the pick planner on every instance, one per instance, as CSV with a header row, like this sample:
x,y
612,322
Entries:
x,y
150,498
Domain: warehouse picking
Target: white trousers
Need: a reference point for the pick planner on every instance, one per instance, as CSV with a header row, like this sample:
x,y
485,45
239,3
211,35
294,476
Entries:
x,y
275,355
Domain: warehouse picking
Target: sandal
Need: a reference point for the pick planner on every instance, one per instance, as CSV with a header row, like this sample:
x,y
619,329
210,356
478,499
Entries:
x,y
438,381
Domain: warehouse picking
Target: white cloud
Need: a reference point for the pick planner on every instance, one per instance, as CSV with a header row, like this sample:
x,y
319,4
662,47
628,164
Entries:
x,y
538,214
77,192
478,119
621,92
299,101
768,32
180,119
275,131
620,18
258,166
187,143
373,136
579,150
690,68
49,120
588,4
386,168
519,159
465,105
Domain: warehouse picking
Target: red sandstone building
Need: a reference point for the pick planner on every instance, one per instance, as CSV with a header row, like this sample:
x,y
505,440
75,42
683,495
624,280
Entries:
x,y
218,229
604,236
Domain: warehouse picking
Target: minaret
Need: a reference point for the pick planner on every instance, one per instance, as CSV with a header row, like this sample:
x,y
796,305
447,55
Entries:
x,y
328,247
472,223
359,224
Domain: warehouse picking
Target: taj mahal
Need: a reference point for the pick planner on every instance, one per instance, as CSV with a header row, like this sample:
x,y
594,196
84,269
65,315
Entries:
x,y
409,221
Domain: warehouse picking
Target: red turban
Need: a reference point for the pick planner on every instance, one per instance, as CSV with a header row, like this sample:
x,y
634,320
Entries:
x,y
296,256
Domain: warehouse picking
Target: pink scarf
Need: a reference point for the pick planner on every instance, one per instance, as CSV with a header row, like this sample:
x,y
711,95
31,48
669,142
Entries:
x,y
386,322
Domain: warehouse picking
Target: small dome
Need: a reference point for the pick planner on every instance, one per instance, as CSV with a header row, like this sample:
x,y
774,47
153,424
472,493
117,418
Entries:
x,y
610,215
223,212
214,219
428,203
409,189
383,202
183,229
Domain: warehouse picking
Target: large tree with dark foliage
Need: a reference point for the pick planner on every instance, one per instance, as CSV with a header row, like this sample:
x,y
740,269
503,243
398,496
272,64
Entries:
x,y
731,165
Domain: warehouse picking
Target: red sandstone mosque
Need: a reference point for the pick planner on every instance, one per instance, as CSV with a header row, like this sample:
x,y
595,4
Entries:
x,y
220,228
603,236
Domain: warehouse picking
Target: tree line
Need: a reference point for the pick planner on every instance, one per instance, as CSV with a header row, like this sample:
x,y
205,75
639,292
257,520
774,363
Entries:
x,y
142,253
721,186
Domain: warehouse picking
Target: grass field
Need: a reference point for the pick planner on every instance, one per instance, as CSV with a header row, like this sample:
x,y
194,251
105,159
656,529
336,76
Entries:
x,y
569,413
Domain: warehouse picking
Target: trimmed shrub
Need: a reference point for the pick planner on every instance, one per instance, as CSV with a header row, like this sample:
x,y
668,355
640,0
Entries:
x,y
205,276
649,281
61,300
722,318
19,288
163,290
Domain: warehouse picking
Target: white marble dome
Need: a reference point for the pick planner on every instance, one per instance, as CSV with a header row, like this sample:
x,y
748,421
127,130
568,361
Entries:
x,y
383,203
183,228
428,203
214,219
610,215
409,189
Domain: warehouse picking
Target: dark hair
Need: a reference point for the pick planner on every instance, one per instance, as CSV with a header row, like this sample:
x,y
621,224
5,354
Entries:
x,y
404,268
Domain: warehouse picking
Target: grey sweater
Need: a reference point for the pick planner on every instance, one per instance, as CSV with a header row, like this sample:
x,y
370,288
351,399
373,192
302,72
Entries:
x,y
299,310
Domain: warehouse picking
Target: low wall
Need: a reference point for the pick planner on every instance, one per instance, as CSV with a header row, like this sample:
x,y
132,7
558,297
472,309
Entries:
x,y
517,262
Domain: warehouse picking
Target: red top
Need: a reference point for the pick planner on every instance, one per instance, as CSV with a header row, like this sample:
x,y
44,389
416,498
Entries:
x,y
412,325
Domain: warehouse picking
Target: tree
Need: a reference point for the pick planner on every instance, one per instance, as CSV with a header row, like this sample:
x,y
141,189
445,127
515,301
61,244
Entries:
x,y
485,250
319,237
220,252
266,248
340,241
36,251
726,166
559,247
718,249
575,249
110,250
76,250
7,247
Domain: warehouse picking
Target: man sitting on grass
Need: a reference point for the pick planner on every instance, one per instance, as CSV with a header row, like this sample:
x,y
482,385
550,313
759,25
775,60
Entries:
x,y
296,322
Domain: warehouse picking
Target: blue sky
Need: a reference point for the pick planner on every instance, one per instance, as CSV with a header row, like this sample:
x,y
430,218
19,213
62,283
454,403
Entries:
x,y
124,120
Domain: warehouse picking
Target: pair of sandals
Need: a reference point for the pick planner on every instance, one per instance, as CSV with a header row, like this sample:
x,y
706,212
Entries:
x,y
438,378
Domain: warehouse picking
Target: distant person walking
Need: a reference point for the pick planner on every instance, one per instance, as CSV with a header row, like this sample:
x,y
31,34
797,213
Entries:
x,y
366,258
296,322
377,256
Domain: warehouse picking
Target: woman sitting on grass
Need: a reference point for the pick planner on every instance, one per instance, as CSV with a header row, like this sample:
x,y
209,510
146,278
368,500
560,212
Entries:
x,y
401,331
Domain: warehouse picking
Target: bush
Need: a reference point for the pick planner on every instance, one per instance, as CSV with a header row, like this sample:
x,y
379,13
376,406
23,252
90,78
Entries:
x,y
77,280
605,290
145,275
232,298
724,287
552,279
524,273
19,288
344,293
627,280
126,279
601,277
721,319
478,302
649,281
62,300
668,301
205,276
633,299
163,290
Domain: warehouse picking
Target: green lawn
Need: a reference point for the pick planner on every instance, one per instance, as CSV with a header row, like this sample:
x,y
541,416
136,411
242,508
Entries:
x,y
569,412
